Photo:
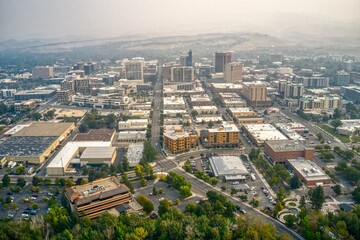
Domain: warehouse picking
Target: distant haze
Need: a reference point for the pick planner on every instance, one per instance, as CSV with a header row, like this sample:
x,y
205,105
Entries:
x,y
84,19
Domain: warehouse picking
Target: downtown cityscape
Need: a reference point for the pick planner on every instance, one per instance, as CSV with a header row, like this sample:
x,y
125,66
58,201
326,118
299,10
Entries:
x,y
245,131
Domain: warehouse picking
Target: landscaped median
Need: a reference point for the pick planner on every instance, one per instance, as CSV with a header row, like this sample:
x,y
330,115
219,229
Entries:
x,y
332,132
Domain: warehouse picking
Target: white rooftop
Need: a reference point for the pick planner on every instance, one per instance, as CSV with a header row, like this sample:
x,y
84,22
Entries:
x,y
68,151
264,132
15,129
308,169
98,152
227,165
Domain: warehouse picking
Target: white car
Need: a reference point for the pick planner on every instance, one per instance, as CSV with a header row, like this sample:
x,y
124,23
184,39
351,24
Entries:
x,y
160,199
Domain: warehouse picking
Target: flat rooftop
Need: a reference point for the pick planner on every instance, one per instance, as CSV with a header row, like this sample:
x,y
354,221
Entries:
x,y
264,132
26,145
227,85
308,169
42,129
132,135
98,152
241,110
95,135
31,92
15,129
95,191
229,95
286,145
206,108
227,165
226,127
134,153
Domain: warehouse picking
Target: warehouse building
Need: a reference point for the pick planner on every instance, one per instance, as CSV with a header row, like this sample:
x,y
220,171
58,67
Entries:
x,y
72,153
308,172
106,135
229,168
95,156
94,198
278,151
32,144
35,94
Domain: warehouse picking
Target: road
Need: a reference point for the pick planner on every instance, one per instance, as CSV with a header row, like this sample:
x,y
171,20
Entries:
x,y
201,188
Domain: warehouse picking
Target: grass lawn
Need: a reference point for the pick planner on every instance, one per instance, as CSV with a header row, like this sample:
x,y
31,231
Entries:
x,y
331,131
292,204
355,139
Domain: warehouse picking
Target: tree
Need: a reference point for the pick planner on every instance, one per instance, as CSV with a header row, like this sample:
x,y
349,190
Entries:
x,y
145,203
20,170
127,182
210,124
14,206
290,220
35,116
185,191
295,182
21,182
6,180
337,189
154,191
337,113
187,166
356,195
143,182
126,164
35,206
348,155
83,128
266,112
35,181
317,197
336,123
233,191
62,182
194,113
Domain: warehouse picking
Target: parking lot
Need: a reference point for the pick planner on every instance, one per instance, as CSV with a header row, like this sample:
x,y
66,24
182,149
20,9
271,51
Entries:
x,y
25,201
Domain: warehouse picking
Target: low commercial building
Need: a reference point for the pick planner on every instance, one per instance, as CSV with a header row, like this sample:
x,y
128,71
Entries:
x,y
351,93
131,137
174,102
59,165
228,95
101,101
229,168
25,105
43,95
133,124
259,133
279,151
207,110
34,143
174,113
243,112
94,198
95,156
226,87
234,103
176,140
249,120
308,172
207,119
201,100
349,127
226,136
105,135
139,113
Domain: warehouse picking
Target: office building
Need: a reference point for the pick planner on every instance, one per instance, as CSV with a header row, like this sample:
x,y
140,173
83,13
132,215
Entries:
x,y
166,70
82,85
320,104
294,90
221,59
342,78
185,59
308,172
94,198
177,140
43,95
201,100
226,136
255,94
278,151
133,124
61,70
182,74
233,72
351,93
134,69
7,93
101,101
64,96
313,82
42,72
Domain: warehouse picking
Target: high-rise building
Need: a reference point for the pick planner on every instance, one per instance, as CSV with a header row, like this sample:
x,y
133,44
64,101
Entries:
x,y
82,85
294,90
313,82
134,69
185,59
182,74
233,72
342,78
42,72
255,94
166,70
221,59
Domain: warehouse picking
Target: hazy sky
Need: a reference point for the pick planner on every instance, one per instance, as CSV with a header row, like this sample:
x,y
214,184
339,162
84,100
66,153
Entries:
x,y
20,19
